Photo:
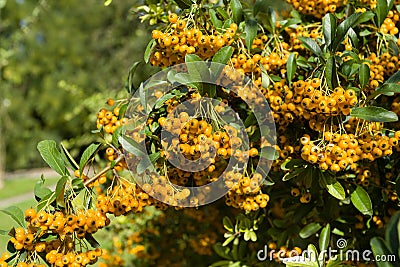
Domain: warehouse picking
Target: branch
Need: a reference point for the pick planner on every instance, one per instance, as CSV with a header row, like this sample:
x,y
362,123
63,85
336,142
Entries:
x,y
94,178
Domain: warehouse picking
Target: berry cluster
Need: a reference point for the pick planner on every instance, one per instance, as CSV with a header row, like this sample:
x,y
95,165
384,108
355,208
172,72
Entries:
x,y
182,38
245,192
382,67
316,8
389,24
109,120
124,199
342,150
72,259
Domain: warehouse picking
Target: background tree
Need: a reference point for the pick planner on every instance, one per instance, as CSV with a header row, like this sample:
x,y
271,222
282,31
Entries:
x,y
54,54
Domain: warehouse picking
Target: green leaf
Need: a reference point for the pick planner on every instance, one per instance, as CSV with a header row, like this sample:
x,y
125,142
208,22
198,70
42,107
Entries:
x,y
92,241
86,155
325,238
395,78
66,156
49,152
380,248
260,6
363,75
46,200
214,19
353,37
329,28
336,189
16,213
228,225
382,10
309,230
59,193
222,263
250,28
361,201
237,11
143,165
154,156
392,233
132,146
350,22
107,2
373,113
149,49
41,191
184,4
130,86
253,236
228,240
197,68
311,45
330,73
116,134
11,248
295,173
223,13
269,153
291,66
270,19
222,251
291,164
223,55
265,79
388,89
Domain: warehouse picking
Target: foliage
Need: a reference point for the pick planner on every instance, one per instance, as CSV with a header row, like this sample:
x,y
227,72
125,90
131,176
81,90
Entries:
x,y
329,72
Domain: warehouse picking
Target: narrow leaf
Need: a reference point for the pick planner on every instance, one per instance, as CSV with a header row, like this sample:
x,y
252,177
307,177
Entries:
x,y
336,189
250,29
388,89
291,66
214,19
16,213
41,191
361,201
223,55
149,49
52,156
237,11
325,237
330,73
132,146
363,75
311,45
86,155
329,28
372,113
380,248
392,233
309,230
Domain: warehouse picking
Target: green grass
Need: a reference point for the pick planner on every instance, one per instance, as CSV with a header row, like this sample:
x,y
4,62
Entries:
x,y
19,186
6,222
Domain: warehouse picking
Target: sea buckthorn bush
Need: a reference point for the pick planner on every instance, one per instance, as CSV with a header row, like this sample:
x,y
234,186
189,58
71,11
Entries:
x,y
329,71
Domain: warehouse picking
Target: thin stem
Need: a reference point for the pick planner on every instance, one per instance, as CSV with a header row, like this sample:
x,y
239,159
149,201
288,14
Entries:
x,y
94,178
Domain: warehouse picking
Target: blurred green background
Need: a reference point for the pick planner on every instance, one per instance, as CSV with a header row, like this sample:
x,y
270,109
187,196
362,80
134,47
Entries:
x,y
59,62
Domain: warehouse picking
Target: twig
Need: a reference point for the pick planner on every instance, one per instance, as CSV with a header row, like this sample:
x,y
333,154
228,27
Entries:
x,y
94,178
